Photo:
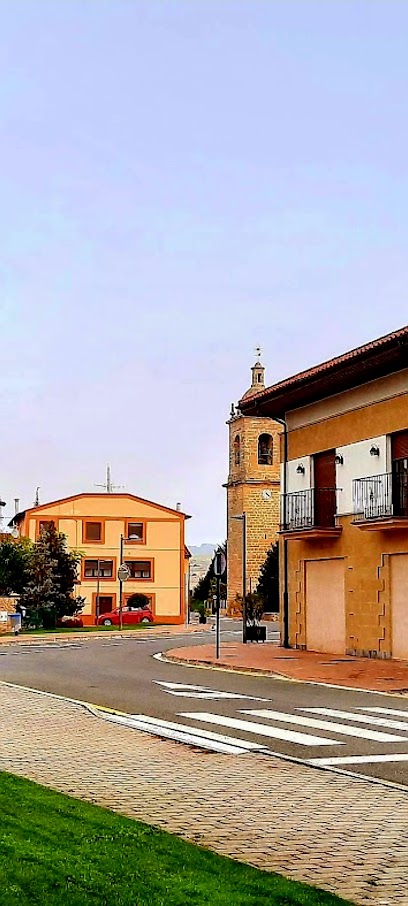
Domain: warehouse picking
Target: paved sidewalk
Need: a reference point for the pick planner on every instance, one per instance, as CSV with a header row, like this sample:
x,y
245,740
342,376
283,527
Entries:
x,y
342,834
306,666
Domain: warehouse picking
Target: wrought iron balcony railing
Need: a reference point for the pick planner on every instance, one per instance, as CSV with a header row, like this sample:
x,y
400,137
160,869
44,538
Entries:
x,y
381,496
313,508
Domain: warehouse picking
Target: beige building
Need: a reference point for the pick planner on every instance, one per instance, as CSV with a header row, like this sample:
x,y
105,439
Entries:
x,y
344,532
253,489
153,549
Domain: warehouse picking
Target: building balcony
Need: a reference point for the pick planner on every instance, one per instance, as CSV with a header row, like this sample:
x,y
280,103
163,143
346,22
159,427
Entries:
x,y
381,501
310,514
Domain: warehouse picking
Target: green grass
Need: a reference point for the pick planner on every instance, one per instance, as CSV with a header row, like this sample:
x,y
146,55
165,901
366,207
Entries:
x,y
58,851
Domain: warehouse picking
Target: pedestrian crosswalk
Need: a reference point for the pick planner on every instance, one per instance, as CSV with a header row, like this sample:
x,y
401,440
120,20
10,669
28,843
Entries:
x,y
203,739
343,729
364,731
303,739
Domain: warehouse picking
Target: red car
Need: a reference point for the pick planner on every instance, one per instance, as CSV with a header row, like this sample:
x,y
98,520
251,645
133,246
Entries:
x,y
130,615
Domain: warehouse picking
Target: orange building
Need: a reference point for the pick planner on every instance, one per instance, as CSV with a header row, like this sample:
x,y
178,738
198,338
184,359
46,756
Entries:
x,y
344,514
153,549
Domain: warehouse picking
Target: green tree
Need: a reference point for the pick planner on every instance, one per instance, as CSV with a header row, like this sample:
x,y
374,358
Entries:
x,y
138,600
268,584
15,560
207,585
48,593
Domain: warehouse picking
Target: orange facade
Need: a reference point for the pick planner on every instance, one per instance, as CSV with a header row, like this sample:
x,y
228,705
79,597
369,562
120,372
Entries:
x,y
344,510
153,549
343,594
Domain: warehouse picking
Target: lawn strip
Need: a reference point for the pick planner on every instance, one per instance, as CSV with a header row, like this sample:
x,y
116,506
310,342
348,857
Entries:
x,y
60,851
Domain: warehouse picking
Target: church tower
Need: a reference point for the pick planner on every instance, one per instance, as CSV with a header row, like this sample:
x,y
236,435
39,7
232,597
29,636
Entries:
x,y
253,488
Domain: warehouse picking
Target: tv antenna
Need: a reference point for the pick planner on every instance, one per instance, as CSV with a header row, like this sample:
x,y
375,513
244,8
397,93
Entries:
x,y
108,487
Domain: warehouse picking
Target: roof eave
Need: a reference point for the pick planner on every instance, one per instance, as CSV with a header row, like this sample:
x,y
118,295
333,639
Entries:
x,y
373,362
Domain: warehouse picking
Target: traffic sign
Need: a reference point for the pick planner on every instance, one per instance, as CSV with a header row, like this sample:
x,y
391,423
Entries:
x,y
123,573
219,564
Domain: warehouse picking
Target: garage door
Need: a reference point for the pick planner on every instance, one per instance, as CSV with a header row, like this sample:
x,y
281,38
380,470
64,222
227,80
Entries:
x,y
325,611
399,605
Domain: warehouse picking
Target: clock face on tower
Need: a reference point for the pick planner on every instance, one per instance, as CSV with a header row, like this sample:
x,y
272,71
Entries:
x,y
267,494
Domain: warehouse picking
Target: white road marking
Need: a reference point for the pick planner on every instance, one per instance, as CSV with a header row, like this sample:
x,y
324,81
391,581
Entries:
x,y
359,718
396,711
303,739
226,745
358,759
325,725
186,690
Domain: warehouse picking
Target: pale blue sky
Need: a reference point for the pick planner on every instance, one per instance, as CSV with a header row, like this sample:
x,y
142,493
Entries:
x,y
182,180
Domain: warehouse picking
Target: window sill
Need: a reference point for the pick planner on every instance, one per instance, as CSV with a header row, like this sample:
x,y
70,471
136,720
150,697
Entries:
x,y
95,578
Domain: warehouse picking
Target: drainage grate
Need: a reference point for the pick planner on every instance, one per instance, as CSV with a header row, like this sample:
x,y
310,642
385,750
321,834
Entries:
x,y
338,661
281,657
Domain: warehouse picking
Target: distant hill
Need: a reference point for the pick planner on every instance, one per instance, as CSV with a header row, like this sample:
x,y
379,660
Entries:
x,y
203,550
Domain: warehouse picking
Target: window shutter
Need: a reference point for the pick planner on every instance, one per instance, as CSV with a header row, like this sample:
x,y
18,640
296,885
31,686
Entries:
x,y
399,445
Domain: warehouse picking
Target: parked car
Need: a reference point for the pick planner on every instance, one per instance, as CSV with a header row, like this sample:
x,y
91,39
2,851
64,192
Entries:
x,y
130,615
70,622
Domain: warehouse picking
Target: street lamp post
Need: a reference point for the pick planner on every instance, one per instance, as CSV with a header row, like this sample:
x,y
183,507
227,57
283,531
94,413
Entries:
x,y
242,518
120,584
97,589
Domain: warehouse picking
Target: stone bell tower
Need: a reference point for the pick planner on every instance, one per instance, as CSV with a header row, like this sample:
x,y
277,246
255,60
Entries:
x,y
253,488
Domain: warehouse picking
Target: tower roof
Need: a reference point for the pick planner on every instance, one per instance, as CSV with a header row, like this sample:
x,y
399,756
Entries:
x,y
258,377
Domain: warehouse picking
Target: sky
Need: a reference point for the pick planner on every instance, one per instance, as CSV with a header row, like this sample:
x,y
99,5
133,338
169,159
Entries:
x,y
181,181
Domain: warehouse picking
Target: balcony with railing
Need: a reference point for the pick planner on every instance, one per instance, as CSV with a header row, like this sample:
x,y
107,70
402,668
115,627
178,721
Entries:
x,y
310,513
381,501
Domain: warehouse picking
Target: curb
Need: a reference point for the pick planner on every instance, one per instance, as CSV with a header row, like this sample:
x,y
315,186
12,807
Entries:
x,y
254,671
227,668
85,636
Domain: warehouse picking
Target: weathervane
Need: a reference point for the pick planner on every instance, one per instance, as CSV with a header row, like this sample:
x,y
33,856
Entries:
x,y
258,352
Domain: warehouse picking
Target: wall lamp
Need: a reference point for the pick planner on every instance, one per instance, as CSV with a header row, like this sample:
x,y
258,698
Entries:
x,y
300,469
374,450
339,459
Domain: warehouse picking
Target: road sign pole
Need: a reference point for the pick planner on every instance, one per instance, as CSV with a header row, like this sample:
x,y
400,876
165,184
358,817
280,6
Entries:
x,y
217,630
219,567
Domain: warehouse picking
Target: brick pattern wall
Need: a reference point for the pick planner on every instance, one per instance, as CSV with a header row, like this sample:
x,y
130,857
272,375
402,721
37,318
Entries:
x,y
246,482
367,588
7,605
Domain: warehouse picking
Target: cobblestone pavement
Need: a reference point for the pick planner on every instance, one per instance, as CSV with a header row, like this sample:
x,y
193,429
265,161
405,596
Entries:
x,y
342,834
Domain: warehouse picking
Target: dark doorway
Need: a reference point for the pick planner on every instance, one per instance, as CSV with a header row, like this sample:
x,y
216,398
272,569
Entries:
x,y
400,473
324,489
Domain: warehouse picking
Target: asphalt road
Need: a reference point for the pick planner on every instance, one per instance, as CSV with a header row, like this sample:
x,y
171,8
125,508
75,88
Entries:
x,y
365,733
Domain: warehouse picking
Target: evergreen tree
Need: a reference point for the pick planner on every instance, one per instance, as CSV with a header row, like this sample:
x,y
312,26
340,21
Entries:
x,y
15,559
48,593
207,585
268,584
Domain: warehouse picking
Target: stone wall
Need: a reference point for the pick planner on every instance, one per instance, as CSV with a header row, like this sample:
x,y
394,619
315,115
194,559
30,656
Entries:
x,y
247,483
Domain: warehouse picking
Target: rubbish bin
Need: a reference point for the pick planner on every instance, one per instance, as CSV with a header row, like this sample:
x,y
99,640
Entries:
x,y
15,622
